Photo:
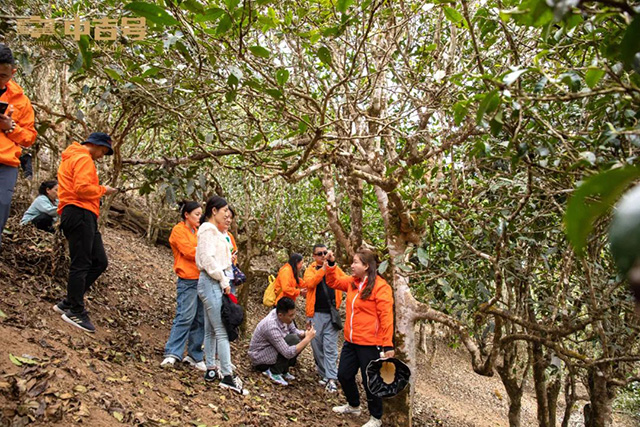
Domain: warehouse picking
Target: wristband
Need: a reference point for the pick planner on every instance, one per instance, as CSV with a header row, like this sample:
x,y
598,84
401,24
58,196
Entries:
x,y
13,127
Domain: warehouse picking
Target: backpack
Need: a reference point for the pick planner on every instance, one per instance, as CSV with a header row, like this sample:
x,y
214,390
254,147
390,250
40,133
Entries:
x,y
269,297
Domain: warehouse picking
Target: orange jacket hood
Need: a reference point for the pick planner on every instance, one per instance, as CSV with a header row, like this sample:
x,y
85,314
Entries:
x,y
24,134
78,182
370,321
312,279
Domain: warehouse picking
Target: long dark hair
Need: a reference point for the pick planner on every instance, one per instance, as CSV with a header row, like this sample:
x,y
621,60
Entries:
x,y
215,202
294,259
45,186
186,207
371,259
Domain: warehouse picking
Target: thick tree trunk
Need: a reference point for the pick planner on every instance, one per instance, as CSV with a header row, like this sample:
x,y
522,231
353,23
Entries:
x,y
540,383
601,400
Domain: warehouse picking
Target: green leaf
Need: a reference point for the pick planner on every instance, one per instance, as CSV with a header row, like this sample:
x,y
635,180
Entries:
x,y
488,104
14,360
572,80
460,110
2,315
593,76
210,15
118,416
225,24
83,43
534,13
152,12
275,93
260,51
192,6
592,200
282,76
325,55
453,15
343,5
113,74
630,45
423,257
383,266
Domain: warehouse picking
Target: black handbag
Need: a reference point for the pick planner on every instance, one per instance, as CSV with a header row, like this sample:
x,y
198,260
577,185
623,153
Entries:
x,y
336,320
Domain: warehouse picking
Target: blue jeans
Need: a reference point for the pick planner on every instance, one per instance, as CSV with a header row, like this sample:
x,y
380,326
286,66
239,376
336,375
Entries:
x,y
216,339
8,178
325,346
188,325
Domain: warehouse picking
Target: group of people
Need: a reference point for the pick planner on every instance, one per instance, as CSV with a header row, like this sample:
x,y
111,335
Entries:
x,y
205,257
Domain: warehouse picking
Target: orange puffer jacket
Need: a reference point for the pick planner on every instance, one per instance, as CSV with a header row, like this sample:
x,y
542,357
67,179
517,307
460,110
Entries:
x,y
370,321
24,134
78,182
183,243
312,278
285,284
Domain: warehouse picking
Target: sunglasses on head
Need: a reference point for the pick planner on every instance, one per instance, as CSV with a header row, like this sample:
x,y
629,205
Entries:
x,y
323,253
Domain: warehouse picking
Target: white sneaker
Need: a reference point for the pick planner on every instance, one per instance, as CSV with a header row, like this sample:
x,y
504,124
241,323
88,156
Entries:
x,y
323,381
200,366
347,409
373,422
168,362
288,377
331,387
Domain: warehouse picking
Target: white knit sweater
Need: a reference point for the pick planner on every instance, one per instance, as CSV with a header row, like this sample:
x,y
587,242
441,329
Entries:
x,y
213,253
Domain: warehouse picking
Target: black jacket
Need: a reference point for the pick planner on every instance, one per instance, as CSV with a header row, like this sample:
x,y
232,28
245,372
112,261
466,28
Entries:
x,y
232,317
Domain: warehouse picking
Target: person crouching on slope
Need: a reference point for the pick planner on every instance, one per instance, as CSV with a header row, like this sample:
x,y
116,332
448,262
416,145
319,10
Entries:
x,y
79,193
368,329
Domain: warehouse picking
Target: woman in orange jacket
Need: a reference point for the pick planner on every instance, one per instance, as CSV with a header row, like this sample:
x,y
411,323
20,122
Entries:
x,y
368,329
188,325
288,282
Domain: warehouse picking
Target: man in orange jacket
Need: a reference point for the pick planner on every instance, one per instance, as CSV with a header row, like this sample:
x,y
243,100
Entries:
x,y
16,130
320,298
79,193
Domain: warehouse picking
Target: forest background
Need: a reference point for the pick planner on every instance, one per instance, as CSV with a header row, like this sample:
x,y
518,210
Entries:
x,y
450,136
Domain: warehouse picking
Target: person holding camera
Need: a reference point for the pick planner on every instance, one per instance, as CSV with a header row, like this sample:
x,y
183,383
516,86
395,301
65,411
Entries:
x,y
16,130
321,300
368,330
276,342
79,193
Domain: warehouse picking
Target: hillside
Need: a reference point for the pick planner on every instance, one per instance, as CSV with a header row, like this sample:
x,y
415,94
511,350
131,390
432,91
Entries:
x,y
62,376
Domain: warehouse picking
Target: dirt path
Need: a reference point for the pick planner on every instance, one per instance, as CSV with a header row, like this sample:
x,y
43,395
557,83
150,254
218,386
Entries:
x,y
63,376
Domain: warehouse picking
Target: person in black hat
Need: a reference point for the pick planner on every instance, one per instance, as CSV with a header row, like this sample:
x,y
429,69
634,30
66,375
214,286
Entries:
x,y
79,193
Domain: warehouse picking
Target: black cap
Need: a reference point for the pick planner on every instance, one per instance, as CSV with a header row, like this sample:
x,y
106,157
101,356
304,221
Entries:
x,y
100,138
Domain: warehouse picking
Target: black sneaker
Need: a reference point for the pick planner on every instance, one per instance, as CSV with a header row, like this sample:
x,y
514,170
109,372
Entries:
x,y
234,383
210,375
79,320
62,307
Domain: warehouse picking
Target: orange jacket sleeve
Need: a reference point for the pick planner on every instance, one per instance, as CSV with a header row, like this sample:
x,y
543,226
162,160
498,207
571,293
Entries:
x,y
313,277
233,241
24,133
84,173
384,310
337,281
180,240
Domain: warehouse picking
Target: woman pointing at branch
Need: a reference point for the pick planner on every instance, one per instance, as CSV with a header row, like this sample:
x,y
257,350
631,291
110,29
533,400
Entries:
x,y
368,328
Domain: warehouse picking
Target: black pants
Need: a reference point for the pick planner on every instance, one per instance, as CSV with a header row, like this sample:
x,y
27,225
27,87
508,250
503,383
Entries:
x,y
43,222
88,258
352,358
282,364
